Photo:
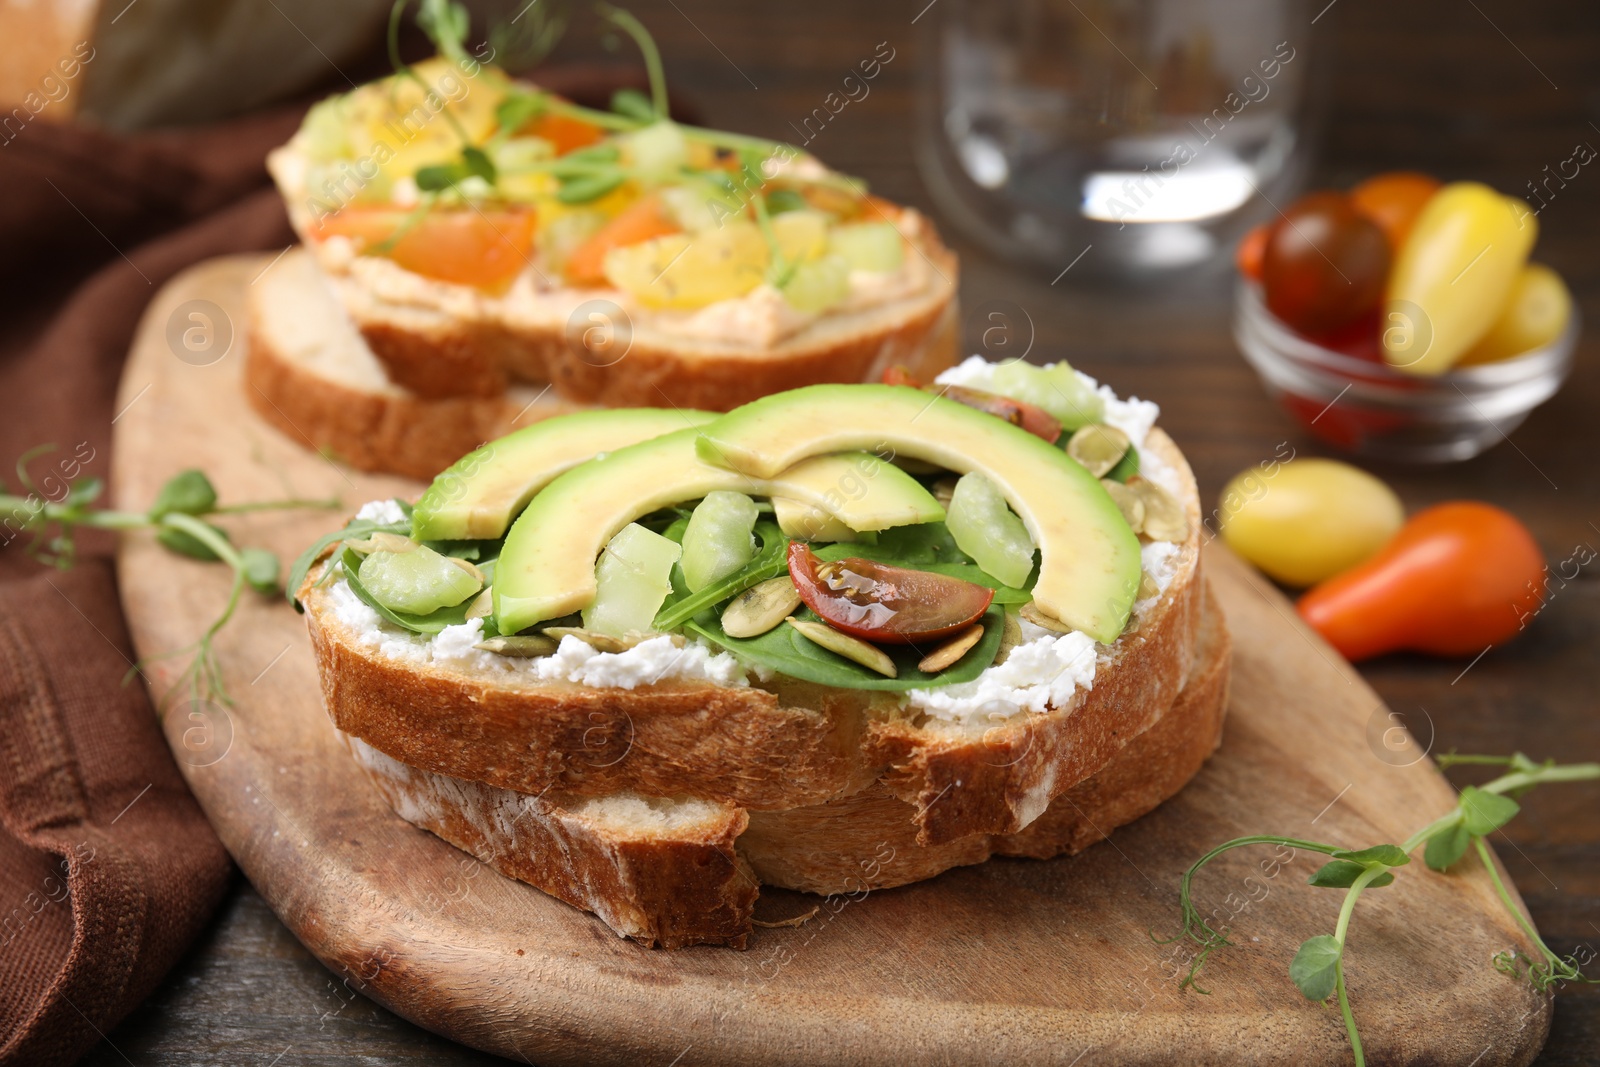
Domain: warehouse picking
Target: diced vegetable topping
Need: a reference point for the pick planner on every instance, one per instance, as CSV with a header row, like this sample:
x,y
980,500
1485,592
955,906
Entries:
x,y
986,529
872,246
419,581
632,579
718,540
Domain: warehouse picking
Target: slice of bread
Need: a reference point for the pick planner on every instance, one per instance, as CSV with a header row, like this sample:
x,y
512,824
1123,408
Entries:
x,y
764,746
309,373
675,872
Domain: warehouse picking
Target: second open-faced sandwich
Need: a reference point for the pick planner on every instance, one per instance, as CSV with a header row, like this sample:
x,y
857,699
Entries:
x,y
843,637
479,253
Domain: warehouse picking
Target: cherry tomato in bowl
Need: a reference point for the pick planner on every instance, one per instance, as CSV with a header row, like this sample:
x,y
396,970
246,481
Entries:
x,y
883,603
1325,264
1394,200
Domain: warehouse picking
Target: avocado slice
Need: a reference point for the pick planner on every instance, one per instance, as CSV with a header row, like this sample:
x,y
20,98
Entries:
x,y
546,567
479,495
1089,558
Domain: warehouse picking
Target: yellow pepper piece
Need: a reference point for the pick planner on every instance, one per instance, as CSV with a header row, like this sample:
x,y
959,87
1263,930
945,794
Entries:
x,y
1535,315
1453,276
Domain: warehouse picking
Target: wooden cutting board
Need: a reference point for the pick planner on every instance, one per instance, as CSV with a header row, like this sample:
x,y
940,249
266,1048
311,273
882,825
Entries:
x,y
1010,961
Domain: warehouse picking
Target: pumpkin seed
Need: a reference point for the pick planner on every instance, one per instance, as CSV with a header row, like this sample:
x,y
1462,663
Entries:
x,y
1164,516
1128,502
483,606
854,649
1049,622
952,650
1010,637
468,566
380,541
760,608
606,642
1147,586
1098,447
526,646
943,490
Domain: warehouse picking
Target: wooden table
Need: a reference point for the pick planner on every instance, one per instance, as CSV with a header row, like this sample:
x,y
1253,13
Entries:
x,y
1431,85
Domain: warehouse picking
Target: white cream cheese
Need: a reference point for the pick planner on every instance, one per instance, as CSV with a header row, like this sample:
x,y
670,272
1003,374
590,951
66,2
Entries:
x,y
384,511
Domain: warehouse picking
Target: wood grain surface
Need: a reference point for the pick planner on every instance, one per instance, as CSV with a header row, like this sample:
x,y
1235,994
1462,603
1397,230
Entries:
x,y
1008,961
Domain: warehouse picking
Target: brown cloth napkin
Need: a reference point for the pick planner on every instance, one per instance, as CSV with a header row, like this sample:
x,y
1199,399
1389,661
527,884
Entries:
x,y
108,868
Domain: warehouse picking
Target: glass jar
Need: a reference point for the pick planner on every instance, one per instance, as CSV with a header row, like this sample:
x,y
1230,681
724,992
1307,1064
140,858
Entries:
x,y
1130,134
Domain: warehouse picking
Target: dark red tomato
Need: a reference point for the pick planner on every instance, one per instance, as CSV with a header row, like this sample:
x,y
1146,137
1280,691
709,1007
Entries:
x,y
878,602
1359,338
1325,264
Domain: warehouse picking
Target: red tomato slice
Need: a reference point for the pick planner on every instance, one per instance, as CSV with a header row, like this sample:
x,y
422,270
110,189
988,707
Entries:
x,y
644,219
565,133
879,602
1030,417
482,248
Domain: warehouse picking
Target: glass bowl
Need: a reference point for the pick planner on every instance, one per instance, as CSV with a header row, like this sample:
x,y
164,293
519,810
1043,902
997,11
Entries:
x,y
1370,409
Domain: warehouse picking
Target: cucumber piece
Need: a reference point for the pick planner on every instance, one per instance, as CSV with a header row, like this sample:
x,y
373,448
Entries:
x,y
987,530
874,246
816,285
417,582
658,151
801,235
718,539
1056,388
632,579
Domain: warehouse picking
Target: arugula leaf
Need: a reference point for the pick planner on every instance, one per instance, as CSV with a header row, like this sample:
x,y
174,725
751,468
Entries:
x,y
1314,968
431,623
1484,813
782,649
1342,874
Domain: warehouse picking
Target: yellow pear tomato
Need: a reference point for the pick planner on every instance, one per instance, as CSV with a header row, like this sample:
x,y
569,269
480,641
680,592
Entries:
x,y
1536,314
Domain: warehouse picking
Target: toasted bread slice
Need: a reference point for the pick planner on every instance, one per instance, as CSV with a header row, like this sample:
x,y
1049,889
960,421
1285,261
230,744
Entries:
x,y
675,872
763,746
309,373
437,339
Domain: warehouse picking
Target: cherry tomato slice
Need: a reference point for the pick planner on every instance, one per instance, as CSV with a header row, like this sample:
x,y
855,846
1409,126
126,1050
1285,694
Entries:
x,y
1394,200
879,602
564,133
900,374
1325,264
484,248
644,219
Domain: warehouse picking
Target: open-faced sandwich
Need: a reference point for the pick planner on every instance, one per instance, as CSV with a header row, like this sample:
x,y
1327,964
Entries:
x,y
840,638
479,253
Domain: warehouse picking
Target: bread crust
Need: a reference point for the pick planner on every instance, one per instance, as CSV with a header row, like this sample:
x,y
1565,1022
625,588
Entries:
x,y
687,887
696,882
764,749
870,840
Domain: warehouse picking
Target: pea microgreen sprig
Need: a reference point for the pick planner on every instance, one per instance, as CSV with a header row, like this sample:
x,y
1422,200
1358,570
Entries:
x,y
179,516
1317,969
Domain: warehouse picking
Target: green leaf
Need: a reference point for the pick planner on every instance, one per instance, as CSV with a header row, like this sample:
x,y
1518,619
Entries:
x,y
431,623
781,200
187,544
782,649
1447,847
260,569
477,162
590,187
439,176
1484,813
768,563
85,491
355,531
634,104
1342,874
597,153
1388,855
189,492
518,109
1314,968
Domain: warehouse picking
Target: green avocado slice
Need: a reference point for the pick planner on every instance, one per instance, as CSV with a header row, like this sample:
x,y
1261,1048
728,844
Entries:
x,y
479,495
546,568
1089,558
